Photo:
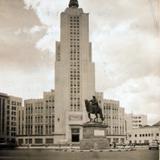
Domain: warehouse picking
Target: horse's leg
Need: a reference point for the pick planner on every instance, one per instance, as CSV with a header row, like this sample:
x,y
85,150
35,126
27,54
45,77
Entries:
x,y
89,116
96,118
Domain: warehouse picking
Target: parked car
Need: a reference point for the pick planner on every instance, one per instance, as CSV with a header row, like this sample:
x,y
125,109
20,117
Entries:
x,y
153,145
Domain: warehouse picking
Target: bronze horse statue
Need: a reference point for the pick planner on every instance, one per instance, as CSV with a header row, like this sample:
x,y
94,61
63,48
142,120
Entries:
x,y
93,109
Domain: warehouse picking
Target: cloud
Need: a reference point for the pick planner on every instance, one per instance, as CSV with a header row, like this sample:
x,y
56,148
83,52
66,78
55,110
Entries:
x,y
24,68
32,30
20,30
26,84
13,15
36,29
46,43
138,95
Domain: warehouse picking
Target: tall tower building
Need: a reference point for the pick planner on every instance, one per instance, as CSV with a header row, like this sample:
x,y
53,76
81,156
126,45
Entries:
x,y
74,74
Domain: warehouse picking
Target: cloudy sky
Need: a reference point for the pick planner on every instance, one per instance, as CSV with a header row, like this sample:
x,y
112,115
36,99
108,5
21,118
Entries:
x,y
126,49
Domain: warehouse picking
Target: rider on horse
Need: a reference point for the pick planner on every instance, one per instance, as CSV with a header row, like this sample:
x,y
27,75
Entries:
x,y
92,107
94,103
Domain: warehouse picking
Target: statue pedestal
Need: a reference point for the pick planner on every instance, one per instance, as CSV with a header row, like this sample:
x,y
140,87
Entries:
x,y
94,136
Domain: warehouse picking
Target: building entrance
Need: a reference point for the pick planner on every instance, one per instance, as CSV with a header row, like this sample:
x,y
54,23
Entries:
x,y
75,134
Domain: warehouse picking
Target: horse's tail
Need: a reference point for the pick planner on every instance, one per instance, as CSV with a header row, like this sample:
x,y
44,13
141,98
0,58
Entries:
x,y
101,114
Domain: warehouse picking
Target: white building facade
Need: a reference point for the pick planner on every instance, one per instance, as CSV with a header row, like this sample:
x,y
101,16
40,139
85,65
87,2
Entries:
x,y
144,135
114,119
74,74
36,125
135,121
9,106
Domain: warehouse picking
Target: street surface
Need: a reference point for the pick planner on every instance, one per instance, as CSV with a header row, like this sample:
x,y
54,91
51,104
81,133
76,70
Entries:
x,y
53,155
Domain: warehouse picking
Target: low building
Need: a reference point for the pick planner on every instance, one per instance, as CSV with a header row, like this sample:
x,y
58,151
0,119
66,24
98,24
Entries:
x,y
4,128
114,119
144,135
37,123
135,121
9,106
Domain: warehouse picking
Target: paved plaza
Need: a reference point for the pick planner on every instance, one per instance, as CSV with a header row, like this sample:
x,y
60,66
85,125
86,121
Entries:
x,y
53,155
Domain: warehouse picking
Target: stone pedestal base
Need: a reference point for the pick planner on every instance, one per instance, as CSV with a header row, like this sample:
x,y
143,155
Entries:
x,y
95,143
94,137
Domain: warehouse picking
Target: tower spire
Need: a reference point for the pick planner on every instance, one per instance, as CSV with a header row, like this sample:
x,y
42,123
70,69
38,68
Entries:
x,y
73,3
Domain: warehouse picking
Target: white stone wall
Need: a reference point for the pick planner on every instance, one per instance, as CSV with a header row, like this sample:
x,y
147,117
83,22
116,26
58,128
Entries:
x,y
14,104
114,117
135,121
9,106
39,115
144,134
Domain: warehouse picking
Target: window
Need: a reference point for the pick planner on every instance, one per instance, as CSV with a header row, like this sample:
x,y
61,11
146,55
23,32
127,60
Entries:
x,y
49,140
146,142
38,141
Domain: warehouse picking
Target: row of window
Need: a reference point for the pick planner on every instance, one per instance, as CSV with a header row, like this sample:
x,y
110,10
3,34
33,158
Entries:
x,y
75,58
13,113
75,108
136,121
112,117
110,108
13,108
145,135
50,101
74,41
75,66
74,52
15,103
136,117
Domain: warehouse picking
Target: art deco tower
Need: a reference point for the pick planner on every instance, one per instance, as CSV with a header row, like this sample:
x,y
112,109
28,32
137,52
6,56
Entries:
x,y
74,74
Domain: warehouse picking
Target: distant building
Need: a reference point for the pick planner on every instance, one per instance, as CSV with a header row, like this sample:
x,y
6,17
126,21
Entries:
x,y
37,121
100,98
4,128
9,106
114,119
144,135
135,121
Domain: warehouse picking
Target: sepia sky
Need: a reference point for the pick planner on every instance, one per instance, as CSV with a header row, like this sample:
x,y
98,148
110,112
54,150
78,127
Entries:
x,y
126,49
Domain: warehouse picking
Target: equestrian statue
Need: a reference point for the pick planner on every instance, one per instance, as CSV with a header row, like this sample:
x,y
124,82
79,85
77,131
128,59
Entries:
x,y
92,107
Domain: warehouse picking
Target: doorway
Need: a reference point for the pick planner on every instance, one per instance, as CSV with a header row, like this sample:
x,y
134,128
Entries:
x,y
75,134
